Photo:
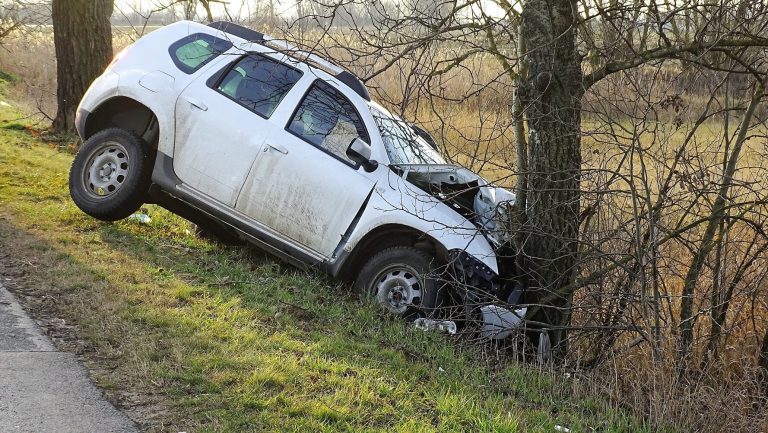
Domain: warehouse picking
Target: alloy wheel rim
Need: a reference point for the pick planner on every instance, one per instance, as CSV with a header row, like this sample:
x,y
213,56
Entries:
x,y
398,287
106,170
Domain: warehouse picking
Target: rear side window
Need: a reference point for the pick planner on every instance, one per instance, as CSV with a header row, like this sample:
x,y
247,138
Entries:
x,y
194,51
328,120
259,83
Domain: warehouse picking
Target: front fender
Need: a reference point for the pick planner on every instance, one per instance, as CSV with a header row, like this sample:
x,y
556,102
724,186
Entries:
x,y
396,201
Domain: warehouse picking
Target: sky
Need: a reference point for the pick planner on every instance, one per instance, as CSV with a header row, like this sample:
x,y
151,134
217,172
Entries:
x,y
235,7
245,8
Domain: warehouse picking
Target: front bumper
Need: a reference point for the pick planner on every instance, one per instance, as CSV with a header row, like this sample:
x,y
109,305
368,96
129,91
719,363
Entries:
x,y
486,296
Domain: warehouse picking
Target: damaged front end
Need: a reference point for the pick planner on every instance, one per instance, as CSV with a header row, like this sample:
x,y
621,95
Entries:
x,y
484,295
485,205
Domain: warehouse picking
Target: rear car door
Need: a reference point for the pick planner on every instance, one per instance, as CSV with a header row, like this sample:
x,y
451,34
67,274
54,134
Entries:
x,y
303,185
223,120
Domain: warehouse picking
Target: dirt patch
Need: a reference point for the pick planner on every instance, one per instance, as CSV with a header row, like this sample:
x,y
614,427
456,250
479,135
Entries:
x,y
25,270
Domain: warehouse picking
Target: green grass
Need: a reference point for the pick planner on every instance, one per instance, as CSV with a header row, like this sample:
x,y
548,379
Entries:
x,y
190,335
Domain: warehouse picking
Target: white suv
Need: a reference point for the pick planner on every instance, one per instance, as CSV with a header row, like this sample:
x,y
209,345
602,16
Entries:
x,y
233,129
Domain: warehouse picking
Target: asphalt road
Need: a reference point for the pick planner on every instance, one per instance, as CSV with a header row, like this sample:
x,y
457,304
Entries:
x,y
44,390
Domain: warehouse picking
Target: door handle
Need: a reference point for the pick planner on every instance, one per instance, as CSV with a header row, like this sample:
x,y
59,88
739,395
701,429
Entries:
x,y
197,104
278,147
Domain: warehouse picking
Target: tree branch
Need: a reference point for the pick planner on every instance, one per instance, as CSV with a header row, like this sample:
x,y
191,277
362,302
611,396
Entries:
x,y
695,48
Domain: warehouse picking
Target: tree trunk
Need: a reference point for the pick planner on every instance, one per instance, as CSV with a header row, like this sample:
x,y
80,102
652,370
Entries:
x,y
762,361
521,146
82,35
551,95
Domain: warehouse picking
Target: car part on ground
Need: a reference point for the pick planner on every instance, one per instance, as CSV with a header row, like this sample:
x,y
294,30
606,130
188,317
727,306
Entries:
x,y
426,324
499,322
140,218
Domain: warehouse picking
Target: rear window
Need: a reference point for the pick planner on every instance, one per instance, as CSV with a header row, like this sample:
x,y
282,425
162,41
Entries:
x,y
194,51
259,83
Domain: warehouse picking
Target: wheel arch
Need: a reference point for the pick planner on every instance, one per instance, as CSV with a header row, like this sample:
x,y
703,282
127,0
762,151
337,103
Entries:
x,y
126,113
387,236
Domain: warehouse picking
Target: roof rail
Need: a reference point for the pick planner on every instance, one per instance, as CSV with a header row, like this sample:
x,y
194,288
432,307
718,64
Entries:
x,y
239,31
344,76
354,83
297,53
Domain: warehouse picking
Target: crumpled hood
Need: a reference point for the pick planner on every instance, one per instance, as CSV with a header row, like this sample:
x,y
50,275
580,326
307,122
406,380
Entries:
x,y
492,209
481,202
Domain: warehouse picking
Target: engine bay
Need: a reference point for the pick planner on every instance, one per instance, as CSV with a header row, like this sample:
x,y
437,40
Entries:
x,y
485,205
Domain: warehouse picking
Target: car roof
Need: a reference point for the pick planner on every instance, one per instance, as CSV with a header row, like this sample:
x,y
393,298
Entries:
x,y
283,47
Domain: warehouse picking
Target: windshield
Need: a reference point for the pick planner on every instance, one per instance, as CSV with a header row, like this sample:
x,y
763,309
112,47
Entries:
x,y
403,145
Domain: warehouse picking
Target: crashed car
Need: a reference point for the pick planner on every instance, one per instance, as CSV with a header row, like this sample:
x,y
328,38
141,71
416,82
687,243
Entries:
x,y
245,133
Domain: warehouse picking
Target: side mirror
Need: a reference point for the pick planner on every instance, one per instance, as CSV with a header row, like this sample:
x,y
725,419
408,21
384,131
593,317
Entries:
x,y
360,152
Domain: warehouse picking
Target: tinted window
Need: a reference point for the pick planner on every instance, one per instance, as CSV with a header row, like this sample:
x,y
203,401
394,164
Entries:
x,y
259,83
328,120
194,51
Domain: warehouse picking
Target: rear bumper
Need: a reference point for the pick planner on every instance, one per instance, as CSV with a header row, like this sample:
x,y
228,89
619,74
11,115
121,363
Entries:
x,y
80,118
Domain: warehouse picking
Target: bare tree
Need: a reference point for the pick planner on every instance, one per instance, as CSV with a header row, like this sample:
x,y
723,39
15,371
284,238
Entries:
x,y
9,18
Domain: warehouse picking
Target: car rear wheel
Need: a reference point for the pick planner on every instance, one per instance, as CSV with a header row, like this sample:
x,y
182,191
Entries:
x,y
399,279
111,173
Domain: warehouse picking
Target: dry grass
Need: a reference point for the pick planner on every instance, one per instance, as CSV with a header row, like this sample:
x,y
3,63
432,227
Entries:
x,y
30,57
619,121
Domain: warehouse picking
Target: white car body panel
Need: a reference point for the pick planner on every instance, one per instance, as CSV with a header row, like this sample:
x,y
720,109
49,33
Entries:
x,y
102,89
309,200
396,201
313,204
215,160
133,69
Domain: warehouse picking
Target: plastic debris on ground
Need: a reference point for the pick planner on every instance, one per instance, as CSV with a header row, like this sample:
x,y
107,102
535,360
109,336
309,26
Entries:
x,y
448,326
140,218
498,322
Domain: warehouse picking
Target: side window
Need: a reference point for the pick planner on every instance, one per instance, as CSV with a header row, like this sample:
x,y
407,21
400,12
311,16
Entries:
x,y
328,120
258,83
194,51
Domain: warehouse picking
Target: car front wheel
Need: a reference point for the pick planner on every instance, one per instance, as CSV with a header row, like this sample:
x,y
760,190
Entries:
x,y
400,278
111,173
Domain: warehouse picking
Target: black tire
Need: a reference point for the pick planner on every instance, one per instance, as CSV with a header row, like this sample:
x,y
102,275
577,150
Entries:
x,y
385,276
111,174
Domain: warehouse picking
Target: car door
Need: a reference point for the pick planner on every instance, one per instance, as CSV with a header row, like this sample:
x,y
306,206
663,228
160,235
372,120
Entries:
x,y
304,186
223,120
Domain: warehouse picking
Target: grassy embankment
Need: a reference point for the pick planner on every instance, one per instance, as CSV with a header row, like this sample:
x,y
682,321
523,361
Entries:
x,y
189,335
